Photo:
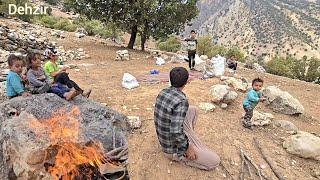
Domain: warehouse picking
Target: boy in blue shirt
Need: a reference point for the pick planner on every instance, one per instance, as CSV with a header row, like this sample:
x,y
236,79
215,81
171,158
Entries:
x,y
15,86
253,98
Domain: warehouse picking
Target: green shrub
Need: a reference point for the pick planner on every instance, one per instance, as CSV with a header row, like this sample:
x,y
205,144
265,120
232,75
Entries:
x,y
172,44
47,21
96,27
217,50
205,45
52,2
280,66
64,24
293,68
313,73
235,51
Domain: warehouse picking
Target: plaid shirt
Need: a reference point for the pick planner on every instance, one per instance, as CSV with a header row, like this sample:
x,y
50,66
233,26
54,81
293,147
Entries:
x,y
170,112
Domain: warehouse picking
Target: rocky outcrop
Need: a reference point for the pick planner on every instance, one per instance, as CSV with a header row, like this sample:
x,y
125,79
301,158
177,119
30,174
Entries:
x,y
27,131
282,102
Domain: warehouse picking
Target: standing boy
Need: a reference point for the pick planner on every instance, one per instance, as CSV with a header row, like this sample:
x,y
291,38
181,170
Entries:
x,y
253,98
192,49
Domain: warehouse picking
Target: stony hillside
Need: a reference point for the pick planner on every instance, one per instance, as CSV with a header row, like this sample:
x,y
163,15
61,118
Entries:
x,y
262,27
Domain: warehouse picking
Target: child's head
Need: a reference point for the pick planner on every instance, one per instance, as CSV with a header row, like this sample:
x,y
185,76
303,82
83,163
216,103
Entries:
x,y
179,77
257,84
51,54
193,34
33,60
15,63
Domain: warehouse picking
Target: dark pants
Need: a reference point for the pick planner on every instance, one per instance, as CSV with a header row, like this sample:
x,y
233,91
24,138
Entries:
x,y
64,79
247,117
233,66
192,56
59,90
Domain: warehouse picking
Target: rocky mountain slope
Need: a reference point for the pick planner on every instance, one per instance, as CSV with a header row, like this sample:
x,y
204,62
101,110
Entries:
x,y
262,27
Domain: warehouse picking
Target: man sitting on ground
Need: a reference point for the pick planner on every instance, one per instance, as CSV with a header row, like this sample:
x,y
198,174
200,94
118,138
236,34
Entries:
x,y
175,121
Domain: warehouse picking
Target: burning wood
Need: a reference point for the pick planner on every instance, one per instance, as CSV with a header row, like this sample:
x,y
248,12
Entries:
x,y
63,147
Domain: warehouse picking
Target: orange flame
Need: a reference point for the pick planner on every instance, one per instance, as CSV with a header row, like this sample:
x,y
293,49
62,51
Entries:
x,y
64,131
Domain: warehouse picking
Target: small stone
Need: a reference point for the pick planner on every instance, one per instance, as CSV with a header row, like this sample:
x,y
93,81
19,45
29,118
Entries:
x,y
224,175
262,166
224,106
105,104
149,109
134,122
169,172
207,107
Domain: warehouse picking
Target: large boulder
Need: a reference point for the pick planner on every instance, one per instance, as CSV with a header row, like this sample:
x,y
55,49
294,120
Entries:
x,y
303,144
222,93
33,129
282,102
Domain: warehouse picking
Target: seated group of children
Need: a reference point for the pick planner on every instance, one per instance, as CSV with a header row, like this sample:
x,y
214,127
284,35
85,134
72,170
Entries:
x,y
38,80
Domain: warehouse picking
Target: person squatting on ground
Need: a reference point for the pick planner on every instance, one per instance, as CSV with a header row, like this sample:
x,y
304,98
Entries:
x,y
232,63
175,120
59,75
192,49
15,86
40,83
251,101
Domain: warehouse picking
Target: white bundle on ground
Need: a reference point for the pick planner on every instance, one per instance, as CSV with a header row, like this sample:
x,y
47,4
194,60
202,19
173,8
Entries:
x,y
160,61
199,63
123,55
216,66
129,81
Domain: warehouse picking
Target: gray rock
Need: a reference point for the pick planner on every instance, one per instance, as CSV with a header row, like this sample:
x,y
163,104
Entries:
x,y
287,125
224,106
23,129
207,107
222,93
261,119
303,144
258,68
238,84
282,102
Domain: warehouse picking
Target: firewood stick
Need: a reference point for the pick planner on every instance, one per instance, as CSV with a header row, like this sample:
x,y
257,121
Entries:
x,y
254,165
224,167
242,166
249,170
268,160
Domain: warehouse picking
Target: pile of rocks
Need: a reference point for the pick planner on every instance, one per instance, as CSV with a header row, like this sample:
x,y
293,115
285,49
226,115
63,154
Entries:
x,y
123,55
23,39
81,32
77,54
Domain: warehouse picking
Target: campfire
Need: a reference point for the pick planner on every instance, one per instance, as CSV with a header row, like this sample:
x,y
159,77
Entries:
x,y
69,156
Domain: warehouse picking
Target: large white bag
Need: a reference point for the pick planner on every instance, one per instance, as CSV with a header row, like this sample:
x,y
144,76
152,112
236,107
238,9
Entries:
x,y
218,64
199,64
129,81
160,61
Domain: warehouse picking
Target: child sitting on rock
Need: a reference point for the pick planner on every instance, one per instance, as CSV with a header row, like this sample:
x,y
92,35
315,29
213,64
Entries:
x,y
253,98
59,75
15,86
39,82
232,63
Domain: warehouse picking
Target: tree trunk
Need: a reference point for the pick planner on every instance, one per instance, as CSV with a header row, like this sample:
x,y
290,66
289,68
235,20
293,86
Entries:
x,y
134,31
143,41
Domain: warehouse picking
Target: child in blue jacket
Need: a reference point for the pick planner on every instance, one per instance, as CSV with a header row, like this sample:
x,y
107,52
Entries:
x,y
15,86
253,98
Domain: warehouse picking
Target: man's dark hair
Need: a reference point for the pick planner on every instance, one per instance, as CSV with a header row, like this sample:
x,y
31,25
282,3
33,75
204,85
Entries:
x,y
13,58
179,77
193,31
257,80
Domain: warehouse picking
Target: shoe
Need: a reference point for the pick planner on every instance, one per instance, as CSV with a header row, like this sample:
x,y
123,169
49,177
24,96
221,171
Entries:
x,y
87,94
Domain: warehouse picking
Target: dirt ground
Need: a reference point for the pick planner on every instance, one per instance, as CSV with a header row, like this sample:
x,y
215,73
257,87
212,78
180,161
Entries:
x,y
220,130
